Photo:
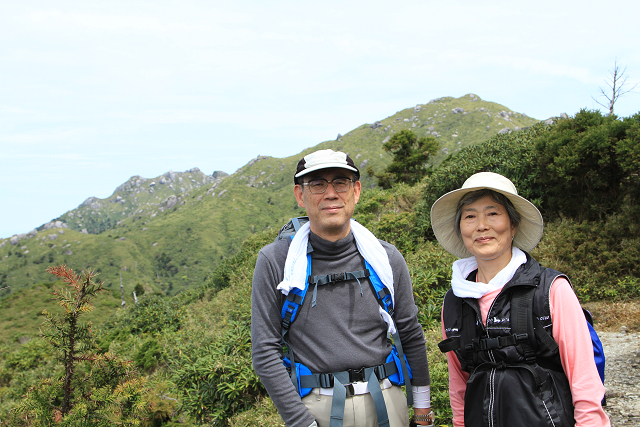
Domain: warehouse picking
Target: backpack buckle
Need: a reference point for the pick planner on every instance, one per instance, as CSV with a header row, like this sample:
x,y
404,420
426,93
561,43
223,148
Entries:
x,y
338,277
350,390
356,375
490,343
522,337
325,380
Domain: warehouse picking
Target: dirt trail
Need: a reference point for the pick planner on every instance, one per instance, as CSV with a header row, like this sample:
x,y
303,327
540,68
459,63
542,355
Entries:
x,y
622,377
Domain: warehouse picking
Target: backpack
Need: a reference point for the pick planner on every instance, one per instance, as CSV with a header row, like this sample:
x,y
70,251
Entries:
x,y
598,348
523,322
396,368
547,339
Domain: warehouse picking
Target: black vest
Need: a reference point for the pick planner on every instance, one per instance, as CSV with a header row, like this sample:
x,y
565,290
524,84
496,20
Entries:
x,y
512,382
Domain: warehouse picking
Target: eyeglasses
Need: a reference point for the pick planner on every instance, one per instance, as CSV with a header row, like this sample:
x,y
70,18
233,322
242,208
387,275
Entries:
x,y
319,186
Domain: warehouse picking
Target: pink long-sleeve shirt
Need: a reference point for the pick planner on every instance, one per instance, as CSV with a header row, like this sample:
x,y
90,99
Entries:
x,y
571,333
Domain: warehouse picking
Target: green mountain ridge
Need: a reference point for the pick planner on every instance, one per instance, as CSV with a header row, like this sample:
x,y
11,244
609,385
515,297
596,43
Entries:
x,y
169,232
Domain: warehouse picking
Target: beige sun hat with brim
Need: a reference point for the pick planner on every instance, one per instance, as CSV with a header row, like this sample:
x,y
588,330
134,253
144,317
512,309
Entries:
x,y
443,213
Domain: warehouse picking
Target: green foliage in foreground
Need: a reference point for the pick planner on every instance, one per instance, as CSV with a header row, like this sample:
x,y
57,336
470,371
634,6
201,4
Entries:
x,y
600,258
86,388
198,352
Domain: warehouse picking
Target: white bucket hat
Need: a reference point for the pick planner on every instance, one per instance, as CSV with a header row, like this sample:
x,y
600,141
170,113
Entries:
x,y
443,214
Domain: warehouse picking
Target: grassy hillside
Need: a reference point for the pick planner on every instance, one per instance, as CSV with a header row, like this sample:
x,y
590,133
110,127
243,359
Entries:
x,y
22,311
168,233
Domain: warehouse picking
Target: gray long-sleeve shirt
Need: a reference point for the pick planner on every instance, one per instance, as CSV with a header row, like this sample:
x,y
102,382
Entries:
x,y
343,331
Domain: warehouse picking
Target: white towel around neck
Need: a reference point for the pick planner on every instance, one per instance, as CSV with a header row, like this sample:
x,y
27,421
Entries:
x,y
464,288
295,266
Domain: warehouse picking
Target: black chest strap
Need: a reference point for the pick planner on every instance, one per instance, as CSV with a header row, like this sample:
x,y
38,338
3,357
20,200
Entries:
x,y
316,281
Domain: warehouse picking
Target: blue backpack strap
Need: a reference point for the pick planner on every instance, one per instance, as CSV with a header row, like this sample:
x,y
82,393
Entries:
x,y
384,299
382,293
289,311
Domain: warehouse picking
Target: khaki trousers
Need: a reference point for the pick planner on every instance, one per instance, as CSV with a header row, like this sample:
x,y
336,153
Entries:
x,y
359,410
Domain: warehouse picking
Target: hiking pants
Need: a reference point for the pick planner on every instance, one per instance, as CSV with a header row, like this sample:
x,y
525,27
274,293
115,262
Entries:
x,y
360,410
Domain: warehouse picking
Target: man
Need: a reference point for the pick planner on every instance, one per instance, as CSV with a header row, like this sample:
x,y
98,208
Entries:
x,y
339,328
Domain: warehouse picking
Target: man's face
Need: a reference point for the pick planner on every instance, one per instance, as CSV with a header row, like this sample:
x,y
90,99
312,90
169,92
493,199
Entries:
x,y
329,213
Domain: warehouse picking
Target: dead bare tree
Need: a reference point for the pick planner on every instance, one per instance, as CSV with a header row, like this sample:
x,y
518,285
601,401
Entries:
x,y
617,82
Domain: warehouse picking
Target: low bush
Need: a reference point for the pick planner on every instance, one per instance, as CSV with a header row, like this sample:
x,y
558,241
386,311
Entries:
x,y
430,269
600,257
152,314
149,355
218,380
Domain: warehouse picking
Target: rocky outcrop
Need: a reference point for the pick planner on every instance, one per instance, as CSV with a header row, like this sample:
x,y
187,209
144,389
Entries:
x,y
171,201
256,160
54,224
219,175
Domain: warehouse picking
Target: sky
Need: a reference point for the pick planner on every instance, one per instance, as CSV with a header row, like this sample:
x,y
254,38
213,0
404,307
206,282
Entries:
x,y
92,93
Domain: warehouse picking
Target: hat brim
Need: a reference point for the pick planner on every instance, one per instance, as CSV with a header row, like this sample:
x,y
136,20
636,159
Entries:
x,y
443,213
325,166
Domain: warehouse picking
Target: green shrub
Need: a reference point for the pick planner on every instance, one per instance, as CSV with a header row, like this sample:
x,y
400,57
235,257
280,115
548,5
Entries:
x,y
430,269
139,290
222,275
389,215
439,374
29,355
94,389
589,164
152,314
410,156
149,355
218,380
600,257
105,340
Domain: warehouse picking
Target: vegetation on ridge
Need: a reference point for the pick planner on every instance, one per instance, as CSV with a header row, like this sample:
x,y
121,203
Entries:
x,y
168,233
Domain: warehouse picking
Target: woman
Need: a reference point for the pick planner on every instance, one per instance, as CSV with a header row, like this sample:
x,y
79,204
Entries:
x,y
501,313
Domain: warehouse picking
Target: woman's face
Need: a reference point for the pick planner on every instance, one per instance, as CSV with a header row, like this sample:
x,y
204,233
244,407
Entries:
x,y
486,230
